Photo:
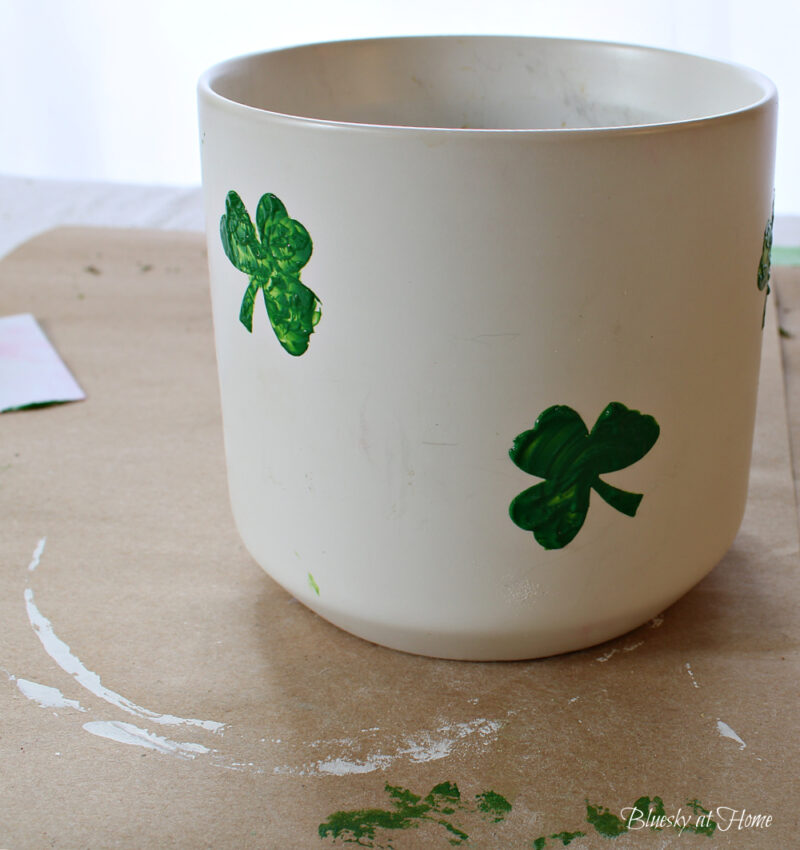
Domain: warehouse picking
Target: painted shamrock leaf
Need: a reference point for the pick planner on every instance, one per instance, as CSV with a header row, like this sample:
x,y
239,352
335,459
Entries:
x,y
571,460
272,253
765,262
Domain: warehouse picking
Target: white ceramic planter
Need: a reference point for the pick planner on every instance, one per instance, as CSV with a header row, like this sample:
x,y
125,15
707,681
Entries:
x,y
535,262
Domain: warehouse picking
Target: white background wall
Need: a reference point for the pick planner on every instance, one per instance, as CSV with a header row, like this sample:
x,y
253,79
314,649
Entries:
x,y
105,90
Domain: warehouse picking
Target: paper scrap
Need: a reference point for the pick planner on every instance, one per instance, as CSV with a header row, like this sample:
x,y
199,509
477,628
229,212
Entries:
x,y
31,372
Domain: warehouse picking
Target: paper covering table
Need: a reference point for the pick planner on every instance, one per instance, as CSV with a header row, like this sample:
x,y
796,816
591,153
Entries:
x,y
159,690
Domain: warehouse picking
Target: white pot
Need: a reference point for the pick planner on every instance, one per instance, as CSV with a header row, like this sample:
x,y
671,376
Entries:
x,y
500,226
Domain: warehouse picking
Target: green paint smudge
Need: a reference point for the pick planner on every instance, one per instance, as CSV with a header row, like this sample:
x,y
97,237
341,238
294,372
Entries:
x,y
444,797
34,405
567,838
271,254
765,262
560,449
409,811
493,805
312,584
648,811
360,826
604,821
703,824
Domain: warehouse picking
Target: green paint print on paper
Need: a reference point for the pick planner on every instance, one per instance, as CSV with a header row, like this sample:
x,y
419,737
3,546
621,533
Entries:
x,y
571,459
563,839
494,805
703,825
566,838
765,263
271,254
647,814
369,827
383,828
604,821
312,584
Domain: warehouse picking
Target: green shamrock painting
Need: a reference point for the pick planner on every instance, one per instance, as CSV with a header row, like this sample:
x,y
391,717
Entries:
x,y
271,253
764,264
571,459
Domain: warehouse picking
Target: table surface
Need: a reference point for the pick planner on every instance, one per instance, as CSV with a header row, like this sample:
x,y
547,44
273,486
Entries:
x,y
310,728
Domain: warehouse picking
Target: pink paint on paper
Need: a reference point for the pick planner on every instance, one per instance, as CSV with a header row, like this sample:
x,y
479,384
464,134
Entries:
x,y
31,372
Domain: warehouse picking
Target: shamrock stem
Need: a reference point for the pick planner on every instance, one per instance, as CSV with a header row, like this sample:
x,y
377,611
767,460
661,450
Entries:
x,y
625,502
248,302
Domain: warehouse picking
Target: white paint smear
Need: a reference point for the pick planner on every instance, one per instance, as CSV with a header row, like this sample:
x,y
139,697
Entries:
x,y
420,748
612,652
607,655
69,663
657,621
37,555
345,767
727,732
127,733
46,696
691,675
432,746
